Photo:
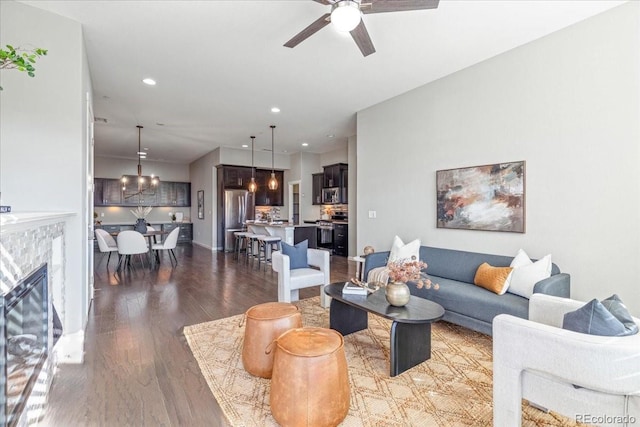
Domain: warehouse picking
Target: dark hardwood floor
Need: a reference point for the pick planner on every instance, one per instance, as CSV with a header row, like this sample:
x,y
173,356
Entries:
x,y
138,368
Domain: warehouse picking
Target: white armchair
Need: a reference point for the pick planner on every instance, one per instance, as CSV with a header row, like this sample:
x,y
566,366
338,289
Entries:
x,y
593,379
289,281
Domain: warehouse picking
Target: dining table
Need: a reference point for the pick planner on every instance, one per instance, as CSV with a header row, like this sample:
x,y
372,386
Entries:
x,y
151,236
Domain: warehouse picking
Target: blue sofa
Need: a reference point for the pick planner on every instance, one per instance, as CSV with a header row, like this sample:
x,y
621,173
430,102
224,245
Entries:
x,y
466,304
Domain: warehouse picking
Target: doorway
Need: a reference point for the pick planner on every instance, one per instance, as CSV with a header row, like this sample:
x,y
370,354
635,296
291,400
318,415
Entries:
x,y
294,202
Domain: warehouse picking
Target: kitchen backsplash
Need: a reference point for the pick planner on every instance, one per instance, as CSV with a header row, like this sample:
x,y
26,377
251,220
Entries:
x,y
273,212
123,215
332,209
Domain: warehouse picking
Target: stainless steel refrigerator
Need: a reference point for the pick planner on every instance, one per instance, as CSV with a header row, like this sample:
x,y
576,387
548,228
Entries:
x,y
238,207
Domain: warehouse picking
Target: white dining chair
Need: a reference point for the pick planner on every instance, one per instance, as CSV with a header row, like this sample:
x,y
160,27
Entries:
x,y
106,243
131,242
169,245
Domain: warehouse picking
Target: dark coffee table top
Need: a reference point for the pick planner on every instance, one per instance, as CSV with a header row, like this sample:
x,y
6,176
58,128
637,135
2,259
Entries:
x,y
417,310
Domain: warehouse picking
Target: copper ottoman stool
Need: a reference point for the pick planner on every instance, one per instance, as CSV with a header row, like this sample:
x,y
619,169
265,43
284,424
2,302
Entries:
x,y
265,323
310,383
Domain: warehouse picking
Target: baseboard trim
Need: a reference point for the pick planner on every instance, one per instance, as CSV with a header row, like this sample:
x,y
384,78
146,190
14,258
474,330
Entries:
x,y
202,245
70,348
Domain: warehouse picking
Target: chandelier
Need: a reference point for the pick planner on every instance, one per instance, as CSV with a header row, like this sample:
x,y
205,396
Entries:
x,y
145,184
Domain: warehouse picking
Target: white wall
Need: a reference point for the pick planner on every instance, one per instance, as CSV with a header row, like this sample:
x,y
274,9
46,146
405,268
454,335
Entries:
x,y
352,191
203,177
339,155
43,138
109,167
569,105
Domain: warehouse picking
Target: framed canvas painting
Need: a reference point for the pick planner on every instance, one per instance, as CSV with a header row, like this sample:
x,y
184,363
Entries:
x,y
489,197
200,204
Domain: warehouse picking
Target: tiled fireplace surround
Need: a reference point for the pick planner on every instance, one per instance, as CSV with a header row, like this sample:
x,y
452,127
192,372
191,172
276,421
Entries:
x,y
27,242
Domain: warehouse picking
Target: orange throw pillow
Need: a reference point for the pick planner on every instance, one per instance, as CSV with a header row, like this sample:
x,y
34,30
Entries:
x,y
492,278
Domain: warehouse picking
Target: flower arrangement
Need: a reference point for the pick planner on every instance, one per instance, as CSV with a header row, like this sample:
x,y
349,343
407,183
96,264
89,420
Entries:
x,y
141,212
405,270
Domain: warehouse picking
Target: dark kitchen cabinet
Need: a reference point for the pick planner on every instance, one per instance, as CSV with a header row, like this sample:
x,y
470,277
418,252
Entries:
x,y
107,192
336,176
264,196
174,194
185,235
332,176
317,181
341,239
236,176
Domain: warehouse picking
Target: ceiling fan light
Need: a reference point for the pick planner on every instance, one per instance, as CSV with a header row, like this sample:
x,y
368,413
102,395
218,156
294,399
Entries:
x,y
345,15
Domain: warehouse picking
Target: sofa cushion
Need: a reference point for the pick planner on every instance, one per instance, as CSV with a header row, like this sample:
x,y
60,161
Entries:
x,y
474,301
400,251
593,318
616,307
297,254
492,278
524,277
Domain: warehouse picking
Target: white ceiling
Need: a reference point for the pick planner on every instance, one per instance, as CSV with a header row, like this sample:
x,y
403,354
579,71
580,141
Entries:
x,y
221,66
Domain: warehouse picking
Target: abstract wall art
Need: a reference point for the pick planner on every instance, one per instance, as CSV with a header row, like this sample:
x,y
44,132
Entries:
x,y
489,197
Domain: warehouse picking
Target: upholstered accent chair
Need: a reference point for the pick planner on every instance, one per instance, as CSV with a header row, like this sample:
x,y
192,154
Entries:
x,y
577,375
290,281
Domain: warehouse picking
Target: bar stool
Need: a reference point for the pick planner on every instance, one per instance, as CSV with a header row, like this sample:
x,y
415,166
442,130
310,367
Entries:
x,y
251,242
240,242
266,245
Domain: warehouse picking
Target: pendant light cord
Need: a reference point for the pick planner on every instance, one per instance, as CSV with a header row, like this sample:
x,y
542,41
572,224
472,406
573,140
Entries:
x,y
272,151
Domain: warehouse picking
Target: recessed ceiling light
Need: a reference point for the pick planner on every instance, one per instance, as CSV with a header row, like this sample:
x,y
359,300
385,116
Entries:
x,y
245,146
305,144
149,82
142,153
275,110
330,135
160,124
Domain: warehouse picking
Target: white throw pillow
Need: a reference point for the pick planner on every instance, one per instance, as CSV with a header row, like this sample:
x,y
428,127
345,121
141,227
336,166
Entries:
x,y
523,278
521,259
401,251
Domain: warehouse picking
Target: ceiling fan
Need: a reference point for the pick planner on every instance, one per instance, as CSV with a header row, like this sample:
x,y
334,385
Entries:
x,y
346,15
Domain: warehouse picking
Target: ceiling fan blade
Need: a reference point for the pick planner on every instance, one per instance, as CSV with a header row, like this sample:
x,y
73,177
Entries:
x,y
361,37
381,6
326,2
316,26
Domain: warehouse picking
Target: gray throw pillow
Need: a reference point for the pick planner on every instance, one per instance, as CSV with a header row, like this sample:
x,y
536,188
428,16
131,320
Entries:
x,y
616,307
297,254
593,318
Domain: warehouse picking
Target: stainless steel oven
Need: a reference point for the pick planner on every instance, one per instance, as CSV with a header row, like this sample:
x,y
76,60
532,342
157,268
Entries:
x,y
325,235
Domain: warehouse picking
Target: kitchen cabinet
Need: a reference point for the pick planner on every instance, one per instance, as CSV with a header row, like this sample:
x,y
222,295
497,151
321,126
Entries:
x,y
336,176
341,239
107,192
317,182
236,176
185,235
264,196
174,194
301,234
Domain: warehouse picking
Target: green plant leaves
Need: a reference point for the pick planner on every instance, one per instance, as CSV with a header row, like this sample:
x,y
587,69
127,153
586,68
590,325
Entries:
x,y
20,59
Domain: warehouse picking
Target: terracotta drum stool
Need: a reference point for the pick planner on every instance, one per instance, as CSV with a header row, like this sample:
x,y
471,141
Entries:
x,y
310,382
265,323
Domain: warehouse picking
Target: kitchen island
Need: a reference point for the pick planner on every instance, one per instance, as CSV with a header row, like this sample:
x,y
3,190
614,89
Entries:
x,y
289,233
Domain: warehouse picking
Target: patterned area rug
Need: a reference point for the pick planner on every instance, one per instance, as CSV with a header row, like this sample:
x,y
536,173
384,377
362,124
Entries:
x,y
453,388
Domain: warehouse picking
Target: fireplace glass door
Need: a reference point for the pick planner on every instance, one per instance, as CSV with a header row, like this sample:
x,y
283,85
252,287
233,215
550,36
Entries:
x,y
24,339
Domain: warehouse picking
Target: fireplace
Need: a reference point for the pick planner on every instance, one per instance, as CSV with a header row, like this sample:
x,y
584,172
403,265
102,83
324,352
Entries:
x,y
24,343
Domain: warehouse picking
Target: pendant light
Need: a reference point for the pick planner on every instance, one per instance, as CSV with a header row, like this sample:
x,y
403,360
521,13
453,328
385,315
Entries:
x,y
253,187
142,182
273,182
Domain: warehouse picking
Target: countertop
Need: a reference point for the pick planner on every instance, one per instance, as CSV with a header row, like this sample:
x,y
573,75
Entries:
x,y
149,222
283,225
